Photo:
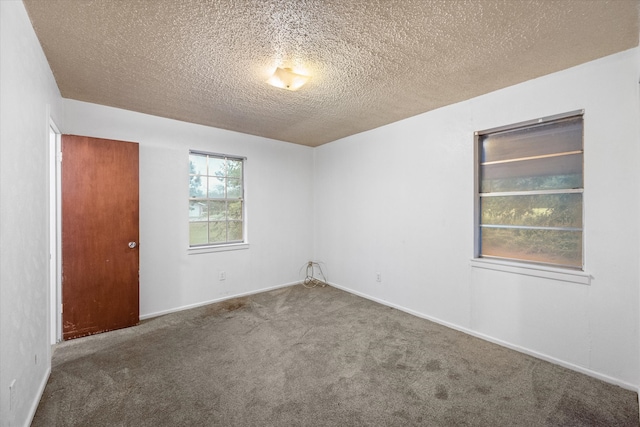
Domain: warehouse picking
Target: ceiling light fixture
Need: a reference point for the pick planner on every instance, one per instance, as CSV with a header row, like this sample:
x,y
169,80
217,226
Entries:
x,y
286,78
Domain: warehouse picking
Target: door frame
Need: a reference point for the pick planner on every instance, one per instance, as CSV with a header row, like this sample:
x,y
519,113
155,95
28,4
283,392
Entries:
x,y
55,232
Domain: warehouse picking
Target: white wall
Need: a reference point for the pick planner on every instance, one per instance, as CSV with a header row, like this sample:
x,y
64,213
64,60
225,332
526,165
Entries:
x,y
279,180
399,200
28,94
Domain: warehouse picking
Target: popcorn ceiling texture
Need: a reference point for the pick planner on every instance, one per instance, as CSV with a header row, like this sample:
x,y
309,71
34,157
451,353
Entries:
x,y
371,62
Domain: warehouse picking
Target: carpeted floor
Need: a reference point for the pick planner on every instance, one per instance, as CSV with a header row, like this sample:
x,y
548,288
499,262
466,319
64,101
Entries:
x,y
313,357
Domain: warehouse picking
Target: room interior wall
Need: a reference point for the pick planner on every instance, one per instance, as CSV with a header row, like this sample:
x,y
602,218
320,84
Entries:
x,y
399,201
29,99
279,180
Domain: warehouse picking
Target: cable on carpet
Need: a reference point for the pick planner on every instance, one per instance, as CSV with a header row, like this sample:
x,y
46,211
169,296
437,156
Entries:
x,y
310,281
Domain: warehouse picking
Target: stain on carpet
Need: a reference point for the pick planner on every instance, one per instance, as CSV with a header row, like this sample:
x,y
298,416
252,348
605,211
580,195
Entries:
x,y
441,392
571,411
433,365
453,375
483,389
233,304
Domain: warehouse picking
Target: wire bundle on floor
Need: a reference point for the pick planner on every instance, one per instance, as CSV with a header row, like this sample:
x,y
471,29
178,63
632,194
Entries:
x,y
310,280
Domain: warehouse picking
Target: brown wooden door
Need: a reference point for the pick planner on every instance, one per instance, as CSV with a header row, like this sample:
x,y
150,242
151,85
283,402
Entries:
x,y
99,220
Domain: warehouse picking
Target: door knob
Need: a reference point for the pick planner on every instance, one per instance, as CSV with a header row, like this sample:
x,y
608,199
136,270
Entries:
x,y
132,245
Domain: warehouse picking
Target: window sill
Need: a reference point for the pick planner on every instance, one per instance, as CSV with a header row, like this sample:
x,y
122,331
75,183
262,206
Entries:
x,y
544,272
217,248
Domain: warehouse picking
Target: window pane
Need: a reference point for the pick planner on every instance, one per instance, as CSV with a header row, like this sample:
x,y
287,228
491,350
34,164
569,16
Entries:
x,y
544,210
197,164
235,230
197,210
198,233
540,174
556,137
235,210
216,188
217,210
216,166
513,164
234,188
234,168
216,204
217,232
546,246
197,186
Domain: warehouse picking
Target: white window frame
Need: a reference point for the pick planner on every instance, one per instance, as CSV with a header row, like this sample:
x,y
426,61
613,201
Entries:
x,y
523,267
223,246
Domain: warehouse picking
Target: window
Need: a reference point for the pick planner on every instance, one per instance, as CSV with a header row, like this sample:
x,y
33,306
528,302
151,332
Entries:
x,y
529,192
216,199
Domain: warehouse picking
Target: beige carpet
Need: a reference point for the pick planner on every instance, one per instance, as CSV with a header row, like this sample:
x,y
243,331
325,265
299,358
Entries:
x,y
313,357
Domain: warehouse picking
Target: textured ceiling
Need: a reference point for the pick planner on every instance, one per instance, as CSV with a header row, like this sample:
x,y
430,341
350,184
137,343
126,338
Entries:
x,y
372,62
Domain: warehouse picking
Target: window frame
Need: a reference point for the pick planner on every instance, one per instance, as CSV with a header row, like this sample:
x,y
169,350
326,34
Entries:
x,y
521,266
227,245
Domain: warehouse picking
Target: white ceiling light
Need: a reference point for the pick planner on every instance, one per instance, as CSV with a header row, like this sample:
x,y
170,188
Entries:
x,y
286,78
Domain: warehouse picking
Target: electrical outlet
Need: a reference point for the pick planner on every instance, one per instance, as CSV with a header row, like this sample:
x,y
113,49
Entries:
x,y
378,277
222,276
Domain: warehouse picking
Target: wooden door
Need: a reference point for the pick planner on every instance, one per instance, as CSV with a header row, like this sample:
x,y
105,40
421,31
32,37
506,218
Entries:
x,y
99,235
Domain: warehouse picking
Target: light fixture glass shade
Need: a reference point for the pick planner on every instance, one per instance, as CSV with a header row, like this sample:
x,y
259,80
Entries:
x,y
285,78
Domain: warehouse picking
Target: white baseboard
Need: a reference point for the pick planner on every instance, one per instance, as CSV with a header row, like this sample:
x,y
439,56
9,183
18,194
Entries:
x,y
200,304
545,357
36,401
